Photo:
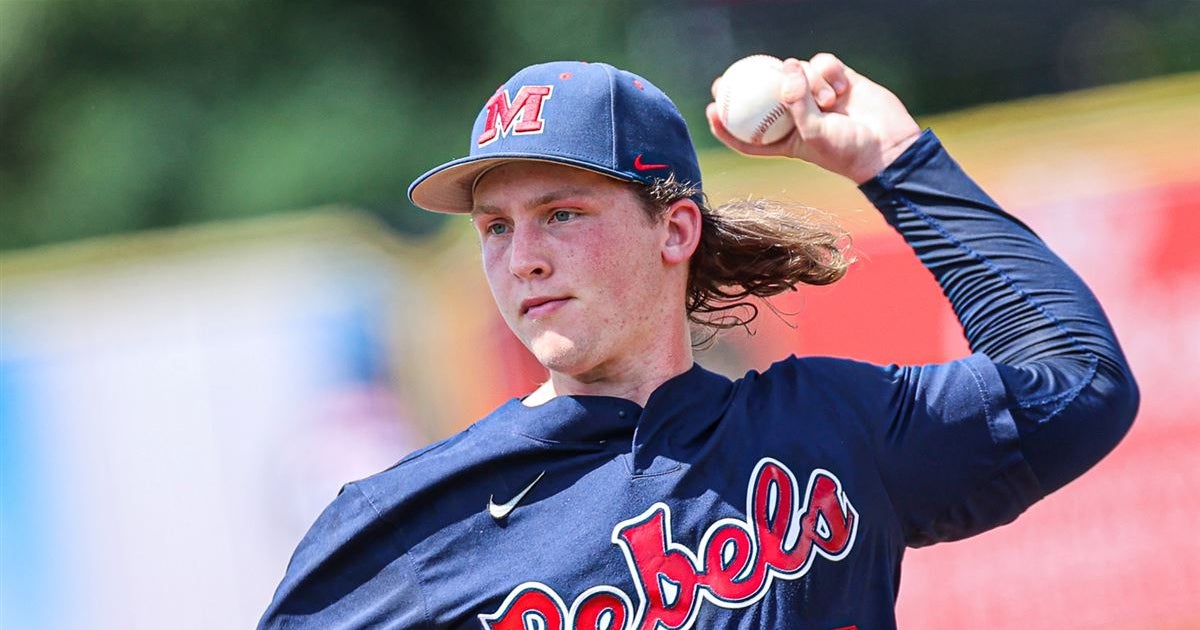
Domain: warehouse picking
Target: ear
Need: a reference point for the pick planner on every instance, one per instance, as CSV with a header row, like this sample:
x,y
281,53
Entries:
x,y
683,221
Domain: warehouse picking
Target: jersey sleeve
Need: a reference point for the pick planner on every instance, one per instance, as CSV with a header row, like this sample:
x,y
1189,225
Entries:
x,y
348,572
1047,389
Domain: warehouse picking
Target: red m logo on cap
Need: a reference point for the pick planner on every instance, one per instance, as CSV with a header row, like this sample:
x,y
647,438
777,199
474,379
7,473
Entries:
x,y
522,114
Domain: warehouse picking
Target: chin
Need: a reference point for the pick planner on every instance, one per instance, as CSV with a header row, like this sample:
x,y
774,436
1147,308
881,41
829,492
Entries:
x,y
559,354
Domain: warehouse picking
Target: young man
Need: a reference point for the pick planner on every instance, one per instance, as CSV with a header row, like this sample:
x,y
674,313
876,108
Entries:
x,y
634,489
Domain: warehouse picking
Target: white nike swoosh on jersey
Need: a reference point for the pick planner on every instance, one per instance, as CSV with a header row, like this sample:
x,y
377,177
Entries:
x,y
502,510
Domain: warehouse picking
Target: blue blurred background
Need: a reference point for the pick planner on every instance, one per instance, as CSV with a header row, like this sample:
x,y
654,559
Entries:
x,y
217,306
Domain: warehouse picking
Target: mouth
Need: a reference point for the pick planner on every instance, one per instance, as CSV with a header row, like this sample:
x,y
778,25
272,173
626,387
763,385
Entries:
x,y
540,306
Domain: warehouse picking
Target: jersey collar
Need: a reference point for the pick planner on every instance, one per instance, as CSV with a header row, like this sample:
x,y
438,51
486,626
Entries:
x,y
695,398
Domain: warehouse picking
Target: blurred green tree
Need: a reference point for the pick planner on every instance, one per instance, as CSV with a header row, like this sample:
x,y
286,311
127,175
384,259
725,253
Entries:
x,y
138,114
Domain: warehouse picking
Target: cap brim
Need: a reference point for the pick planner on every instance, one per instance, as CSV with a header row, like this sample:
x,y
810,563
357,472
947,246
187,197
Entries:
x,y
450,187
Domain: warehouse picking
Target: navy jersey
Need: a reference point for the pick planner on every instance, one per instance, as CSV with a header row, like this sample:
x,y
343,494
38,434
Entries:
x,y
784,499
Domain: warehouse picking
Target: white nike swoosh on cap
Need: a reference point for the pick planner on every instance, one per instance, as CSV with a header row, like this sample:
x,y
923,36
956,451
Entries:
x,y
502,510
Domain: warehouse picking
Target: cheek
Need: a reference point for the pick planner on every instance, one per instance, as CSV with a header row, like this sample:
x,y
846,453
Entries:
x,y
625,273
496,271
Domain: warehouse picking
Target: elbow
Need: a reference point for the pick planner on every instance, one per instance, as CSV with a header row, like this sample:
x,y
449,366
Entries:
x,y
1109,405
1119,399
1063,442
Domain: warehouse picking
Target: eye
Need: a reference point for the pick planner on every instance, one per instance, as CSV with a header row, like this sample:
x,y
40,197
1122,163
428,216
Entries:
x,y
562,215
496,228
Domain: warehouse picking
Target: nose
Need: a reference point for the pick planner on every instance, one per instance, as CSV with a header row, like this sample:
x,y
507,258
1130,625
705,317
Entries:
x,y
528,255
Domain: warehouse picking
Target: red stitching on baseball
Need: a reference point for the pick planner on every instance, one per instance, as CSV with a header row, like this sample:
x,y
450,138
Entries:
x,y
767,121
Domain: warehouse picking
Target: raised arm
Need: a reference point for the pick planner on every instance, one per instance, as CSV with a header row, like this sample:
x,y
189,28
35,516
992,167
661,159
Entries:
x,y
1071,388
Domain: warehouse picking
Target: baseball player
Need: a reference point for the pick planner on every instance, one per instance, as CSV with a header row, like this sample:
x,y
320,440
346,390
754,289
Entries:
x,y
635,489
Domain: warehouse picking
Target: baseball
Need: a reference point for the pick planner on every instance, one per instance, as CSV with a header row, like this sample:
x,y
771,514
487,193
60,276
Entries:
x,y
748,98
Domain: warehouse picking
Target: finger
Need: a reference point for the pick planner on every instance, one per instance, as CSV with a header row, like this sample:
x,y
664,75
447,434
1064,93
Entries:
x,y
833,71
796,93
821,90
718,129
794,89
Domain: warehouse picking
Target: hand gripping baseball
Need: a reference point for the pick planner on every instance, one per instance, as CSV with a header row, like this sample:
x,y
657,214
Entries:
x,y
845,123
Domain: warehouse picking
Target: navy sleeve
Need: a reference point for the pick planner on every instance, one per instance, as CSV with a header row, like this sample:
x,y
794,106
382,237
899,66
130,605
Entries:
x,y
348,572
1049,378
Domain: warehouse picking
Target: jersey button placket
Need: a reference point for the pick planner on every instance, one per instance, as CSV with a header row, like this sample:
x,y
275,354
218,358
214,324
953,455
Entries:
x,y
622,414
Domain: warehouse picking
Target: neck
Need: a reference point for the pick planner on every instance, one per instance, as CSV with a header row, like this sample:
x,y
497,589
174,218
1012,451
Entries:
x,y
633,378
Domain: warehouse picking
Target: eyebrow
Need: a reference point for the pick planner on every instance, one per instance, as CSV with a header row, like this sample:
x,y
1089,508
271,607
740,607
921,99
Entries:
x,y
552,196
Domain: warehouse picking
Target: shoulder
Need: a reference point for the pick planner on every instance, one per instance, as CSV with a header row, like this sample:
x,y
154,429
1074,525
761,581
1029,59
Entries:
x,y
879,391
359,547
822,365
814,392
816,374
392,506
436,469
853,375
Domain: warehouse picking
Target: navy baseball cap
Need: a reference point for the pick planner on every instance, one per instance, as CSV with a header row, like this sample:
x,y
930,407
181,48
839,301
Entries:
x,y
587,115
